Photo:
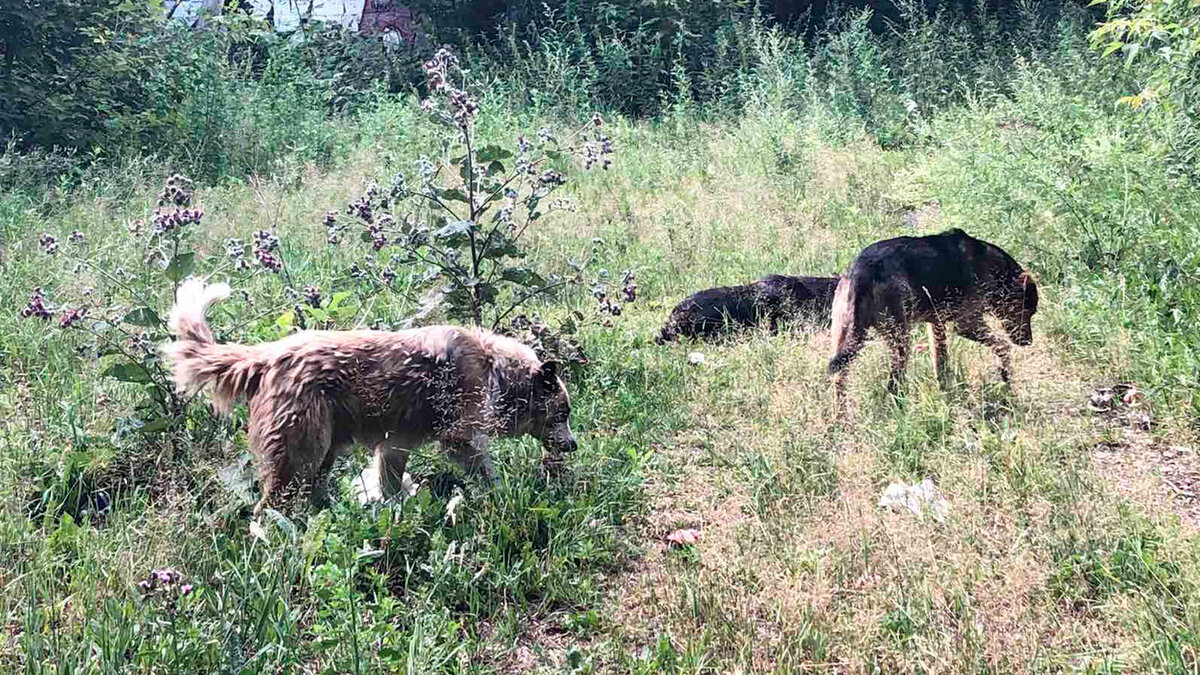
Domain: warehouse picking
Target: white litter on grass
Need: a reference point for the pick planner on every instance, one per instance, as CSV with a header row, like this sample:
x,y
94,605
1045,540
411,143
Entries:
x,y
452,506
368,488
916,498
258,532
696,358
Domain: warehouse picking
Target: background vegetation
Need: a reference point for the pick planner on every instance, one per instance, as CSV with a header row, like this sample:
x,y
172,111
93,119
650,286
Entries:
x,y
745,143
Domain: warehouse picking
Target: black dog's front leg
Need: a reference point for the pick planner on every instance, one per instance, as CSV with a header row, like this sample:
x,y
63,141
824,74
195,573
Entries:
x,y
976,330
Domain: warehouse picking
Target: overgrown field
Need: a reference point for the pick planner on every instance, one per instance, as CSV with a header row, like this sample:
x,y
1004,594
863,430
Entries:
x,y
1069,544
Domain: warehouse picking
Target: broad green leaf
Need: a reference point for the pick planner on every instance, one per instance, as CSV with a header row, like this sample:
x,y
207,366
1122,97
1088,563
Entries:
x,y
336,300
454,194
454,229
142,316
127,372
491,153
156,425
523,276
181,266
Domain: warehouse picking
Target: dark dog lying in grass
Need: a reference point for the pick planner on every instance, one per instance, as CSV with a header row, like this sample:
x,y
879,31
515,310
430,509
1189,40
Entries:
x,y
941,278
772,299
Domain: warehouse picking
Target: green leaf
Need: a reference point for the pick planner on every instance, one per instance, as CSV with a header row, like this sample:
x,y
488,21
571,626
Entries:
x,y
155,426
523,276
454,230
495,168
142,316
286,320
1133,50
491,153
127,372
454,194
181,266
501,247
336,300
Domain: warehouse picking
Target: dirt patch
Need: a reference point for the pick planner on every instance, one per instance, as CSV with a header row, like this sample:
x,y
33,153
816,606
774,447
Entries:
x,y
1152,472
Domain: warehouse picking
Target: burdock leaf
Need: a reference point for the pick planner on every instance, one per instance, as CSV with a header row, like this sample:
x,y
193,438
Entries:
x,y
455,195
127,372
142,316
492,153
523,276
454,230
181,266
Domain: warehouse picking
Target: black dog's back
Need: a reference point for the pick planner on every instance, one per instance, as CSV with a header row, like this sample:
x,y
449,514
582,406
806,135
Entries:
x,y
773,298
809,297
934,271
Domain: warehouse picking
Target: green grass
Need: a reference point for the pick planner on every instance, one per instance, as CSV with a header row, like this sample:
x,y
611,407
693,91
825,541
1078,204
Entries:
x,y
1045,564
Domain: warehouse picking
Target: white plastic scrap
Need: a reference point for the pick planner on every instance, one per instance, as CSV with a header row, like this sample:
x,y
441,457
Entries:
x,y
696,358
916,498
368,487
451,506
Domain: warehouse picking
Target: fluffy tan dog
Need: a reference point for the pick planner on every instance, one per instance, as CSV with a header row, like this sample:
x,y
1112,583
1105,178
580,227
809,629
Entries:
x,y
315,392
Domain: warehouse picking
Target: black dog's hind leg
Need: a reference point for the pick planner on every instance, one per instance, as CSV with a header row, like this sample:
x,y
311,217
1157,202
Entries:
x,y
895,334
937,348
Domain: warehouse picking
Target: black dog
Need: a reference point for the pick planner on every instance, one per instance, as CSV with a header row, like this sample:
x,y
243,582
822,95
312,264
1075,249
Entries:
x,y
772,299
941,278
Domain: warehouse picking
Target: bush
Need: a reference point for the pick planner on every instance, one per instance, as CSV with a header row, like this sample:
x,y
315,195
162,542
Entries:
x,y
70,68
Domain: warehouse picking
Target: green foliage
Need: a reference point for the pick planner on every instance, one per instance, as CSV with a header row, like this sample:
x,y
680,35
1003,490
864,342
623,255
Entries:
x,y
69,68
1164,32
108,80
437,220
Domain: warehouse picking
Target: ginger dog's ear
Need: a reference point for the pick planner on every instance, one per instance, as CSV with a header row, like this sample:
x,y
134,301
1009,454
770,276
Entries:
x,y
547,374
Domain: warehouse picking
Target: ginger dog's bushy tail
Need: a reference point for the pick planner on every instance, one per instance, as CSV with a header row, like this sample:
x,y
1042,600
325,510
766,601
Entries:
x,y
844,341
197,360
187,316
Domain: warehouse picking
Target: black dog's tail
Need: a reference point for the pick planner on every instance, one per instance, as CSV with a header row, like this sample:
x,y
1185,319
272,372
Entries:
x,y
844,333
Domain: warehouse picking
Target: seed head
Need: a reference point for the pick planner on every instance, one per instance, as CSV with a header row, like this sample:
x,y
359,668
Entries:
x,y
36,306
48,243
312,294
71,316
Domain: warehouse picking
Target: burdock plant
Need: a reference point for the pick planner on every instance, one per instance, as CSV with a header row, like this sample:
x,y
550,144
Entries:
x,y
123,314
462,218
